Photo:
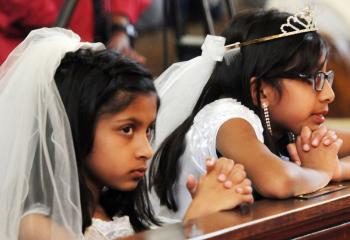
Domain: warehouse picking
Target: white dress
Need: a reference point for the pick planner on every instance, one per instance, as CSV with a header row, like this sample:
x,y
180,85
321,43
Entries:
x,y
201,143
109,230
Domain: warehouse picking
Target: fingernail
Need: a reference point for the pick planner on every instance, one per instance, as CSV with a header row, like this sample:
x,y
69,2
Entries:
x,y
210,161
306,147
222,177
239,190
314,142
327,141
228,184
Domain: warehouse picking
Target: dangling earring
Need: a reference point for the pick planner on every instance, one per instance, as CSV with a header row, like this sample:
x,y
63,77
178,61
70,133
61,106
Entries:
x,y
267,117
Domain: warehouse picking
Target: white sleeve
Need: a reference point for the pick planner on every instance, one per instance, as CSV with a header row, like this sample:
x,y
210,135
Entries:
x,y
202,135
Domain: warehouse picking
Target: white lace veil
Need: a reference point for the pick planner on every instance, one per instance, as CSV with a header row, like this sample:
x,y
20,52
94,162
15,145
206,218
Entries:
x,y
180,86
38,172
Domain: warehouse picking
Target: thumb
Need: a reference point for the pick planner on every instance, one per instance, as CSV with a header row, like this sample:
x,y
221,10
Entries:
x,y
339,143
210,164
293,153
191,185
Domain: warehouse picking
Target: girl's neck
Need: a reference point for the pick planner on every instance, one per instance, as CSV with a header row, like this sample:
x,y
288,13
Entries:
x,y
97,209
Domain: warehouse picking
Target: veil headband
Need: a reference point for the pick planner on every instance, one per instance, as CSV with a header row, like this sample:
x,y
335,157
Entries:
x,y
180,86
38,171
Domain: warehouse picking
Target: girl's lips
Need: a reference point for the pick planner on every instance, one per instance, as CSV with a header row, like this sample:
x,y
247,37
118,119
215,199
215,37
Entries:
x,y
318,118
138,173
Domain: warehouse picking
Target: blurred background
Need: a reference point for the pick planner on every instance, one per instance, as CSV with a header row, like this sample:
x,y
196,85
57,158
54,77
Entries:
x,y
158,33
188,21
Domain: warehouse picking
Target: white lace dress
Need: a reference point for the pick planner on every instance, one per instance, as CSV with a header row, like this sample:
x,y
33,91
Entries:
x,y
201,143
109,230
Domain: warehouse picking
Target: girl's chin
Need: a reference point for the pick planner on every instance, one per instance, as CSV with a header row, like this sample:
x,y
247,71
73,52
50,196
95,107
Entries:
x,y
128,186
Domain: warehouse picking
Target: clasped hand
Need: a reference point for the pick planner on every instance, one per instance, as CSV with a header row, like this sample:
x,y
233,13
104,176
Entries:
x,y
223,187
317,150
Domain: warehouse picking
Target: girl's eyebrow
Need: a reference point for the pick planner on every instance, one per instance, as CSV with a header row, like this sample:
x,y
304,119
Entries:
x,y
130,119
135,121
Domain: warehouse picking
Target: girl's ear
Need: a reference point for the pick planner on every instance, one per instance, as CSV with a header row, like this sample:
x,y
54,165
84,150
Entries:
x,y
253,91
267,93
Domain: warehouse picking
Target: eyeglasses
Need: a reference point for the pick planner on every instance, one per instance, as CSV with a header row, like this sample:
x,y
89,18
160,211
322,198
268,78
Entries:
x,y
317,80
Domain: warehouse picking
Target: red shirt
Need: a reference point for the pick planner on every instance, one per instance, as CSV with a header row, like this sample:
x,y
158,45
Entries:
x,y
30,14
130,8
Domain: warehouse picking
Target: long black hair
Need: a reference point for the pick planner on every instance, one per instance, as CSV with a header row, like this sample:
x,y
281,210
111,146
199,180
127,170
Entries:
x,y
92,83
297,53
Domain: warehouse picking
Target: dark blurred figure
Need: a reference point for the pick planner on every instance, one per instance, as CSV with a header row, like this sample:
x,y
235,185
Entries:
x,y
110,21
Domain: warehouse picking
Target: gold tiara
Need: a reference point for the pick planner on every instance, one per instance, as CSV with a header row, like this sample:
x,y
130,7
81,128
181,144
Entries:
x,y
301,22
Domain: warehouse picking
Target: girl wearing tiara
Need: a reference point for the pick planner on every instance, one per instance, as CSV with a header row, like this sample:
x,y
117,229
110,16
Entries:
x,y
76,121
273,85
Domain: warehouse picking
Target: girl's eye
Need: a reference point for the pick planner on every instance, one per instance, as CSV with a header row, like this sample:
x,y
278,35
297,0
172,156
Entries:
x,y
127,130
150,132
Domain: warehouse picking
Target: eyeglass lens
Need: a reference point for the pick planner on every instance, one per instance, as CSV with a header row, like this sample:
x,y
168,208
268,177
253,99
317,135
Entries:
x,y
320,79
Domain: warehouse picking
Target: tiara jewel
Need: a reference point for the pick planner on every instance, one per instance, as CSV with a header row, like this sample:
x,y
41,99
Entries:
x,y
302,21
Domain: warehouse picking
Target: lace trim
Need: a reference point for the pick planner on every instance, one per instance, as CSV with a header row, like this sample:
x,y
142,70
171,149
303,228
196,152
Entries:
x,y
110,230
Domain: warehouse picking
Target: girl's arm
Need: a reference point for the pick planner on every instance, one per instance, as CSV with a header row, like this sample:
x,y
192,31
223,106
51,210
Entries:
x,y
343,169
345,136
271,176
343,172
40,227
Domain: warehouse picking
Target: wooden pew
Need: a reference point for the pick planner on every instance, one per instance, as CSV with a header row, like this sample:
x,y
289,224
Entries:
x,y
323,217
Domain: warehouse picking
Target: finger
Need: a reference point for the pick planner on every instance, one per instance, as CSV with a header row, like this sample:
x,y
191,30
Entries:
x,y
330,138
338,143
317,135
247,198
210,163
244,190
298,144
226,165
237,175
191,185
228,184
241,187
305,135
293,153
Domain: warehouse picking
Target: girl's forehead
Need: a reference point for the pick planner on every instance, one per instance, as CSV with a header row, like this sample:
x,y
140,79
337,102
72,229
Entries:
x,y
142,107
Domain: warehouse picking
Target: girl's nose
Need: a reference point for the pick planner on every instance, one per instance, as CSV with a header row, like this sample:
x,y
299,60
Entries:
x,y
145,150
327,93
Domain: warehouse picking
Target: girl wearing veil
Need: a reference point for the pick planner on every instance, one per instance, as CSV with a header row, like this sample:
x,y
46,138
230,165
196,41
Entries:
x,y
76,121
273,85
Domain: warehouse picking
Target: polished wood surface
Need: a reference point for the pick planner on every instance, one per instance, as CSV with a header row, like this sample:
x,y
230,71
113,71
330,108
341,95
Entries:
x,y
323,217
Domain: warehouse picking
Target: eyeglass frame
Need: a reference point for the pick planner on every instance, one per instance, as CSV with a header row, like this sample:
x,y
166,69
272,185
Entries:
x,y
325,76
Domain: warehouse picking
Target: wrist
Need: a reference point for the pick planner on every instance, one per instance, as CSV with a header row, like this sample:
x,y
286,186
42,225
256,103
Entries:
x,y
338,174
197,209
127,28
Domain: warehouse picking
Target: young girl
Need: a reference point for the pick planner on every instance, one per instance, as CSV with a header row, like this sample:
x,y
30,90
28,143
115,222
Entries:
x,y
273,84
76,121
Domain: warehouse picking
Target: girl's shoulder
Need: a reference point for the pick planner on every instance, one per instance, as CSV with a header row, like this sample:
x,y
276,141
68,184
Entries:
x,y
216,113
219,105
